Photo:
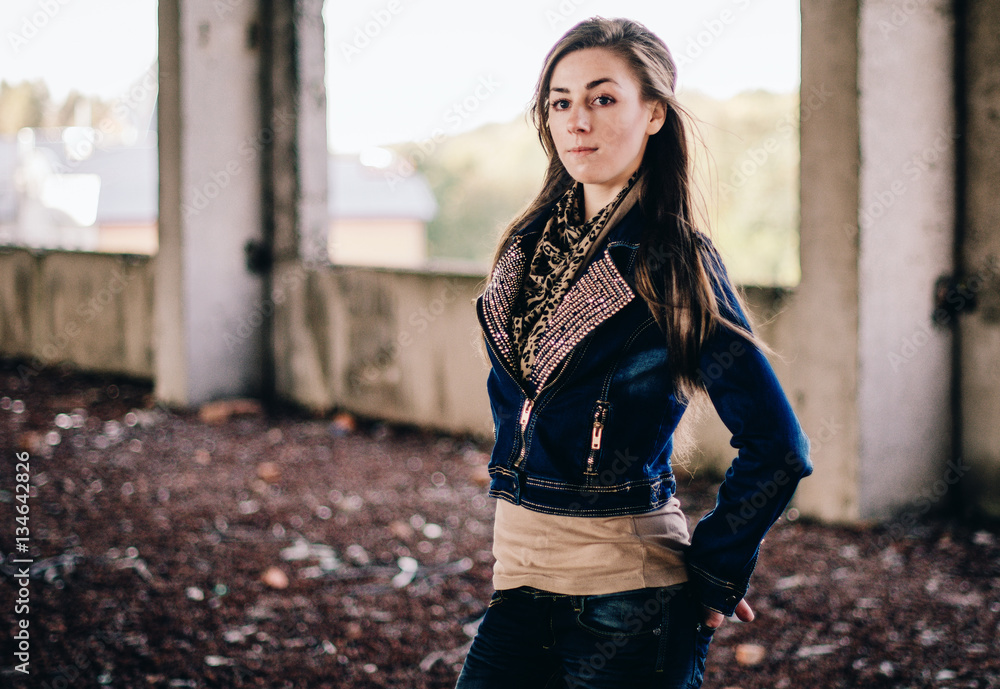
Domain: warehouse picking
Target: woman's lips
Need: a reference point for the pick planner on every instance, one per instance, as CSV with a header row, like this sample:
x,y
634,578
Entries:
x,y
581,150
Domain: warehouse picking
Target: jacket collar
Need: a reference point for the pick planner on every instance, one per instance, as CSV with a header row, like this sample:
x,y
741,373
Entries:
x,y
600,292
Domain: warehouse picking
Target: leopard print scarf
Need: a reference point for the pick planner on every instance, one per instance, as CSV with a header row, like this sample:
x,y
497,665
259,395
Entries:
x,y
565,243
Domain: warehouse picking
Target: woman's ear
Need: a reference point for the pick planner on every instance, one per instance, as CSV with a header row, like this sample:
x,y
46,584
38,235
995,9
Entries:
x,y
657,116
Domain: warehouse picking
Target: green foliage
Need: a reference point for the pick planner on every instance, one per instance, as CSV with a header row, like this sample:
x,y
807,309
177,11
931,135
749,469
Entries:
x,y
481,180
746,170
22,105
28,104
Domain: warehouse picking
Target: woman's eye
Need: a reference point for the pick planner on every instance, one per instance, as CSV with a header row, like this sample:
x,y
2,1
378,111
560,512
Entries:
x,y
559,104
604,100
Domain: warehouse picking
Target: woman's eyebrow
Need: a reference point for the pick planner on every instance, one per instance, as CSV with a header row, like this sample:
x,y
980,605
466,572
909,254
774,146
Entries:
x,y
595,82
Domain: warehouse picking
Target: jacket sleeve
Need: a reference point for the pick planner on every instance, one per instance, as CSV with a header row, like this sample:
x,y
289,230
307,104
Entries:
x,y
773,455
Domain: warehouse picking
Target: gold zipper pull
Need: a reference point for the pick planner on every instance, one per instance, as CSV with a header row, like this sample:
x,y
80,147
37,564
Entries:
x,y
525,417
526,413
595,436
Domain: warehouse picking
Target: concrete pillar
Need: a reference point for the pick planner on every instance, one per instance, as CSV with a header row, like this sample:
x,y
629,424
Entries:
x,y
298,197
296,56
871,374
242,119
980,328
210,140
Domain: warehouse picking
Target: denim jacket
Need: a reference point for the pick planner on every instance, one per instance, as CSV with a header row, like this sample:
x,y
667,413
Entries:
x,y
589,433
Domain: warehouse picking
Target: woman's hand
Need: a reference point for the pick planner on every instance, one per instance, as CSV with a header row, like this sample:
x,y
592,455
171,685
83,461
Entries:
x,y
743,611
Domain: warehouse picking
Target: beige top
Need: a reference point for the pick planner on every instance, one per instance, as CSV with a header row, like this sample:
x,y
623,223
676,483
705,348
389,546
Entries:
x,y
589,555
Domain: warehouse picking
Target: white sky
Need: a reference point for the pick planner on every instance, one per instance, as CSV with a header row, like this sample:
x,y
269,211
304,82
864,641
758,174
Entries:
x,y
94,46
403,80
432,54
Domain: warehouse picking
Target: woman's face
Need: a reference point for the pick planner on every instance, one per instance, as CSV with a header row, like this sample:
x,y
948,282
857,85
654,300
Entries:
x,y
598,120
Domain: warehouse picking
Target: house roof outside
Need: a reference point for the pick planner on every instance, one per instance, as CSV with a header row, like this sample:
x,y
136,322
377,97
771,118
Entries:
x,y
129,177
129,183
361,191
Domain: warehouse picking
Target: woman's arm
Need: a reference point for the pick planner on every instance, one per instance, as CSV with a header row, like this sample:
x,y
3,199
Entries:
x,y
773,455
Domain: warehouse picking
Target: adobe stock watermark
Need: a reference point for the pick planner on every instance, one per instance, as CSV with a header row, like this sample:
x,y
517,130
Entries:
x,y
793,468
756,157
563,12
766,492
721,362
68,676
609,471
419,321
364,34
223,8
901,14
910,173
646,615
251,321
249,149
85,312
289,283
712,30
32,24
79,150
954,301
454,115
928,497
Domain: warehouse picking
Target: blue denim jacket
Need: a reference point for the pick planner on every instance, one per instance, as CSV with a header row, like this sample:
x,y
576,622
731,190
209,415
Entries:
x,y
590,432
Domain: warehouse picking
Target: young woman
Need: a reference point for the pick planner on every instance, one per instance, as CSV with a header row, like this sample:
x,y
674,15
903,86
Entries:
x,y
606,310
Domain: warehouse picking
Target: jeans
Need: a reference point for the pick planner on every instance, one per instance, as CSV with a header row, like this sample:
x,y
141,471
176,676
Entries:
x,y
533,639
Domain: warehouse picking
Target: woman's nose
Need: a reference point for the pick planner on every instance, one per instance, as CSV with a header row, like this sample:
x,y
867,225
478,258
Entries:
x,y
579,120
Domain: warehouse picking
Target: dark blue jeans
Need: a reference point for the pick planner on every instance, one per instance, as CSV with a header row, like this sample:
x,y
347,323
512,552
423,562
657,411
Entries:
x,y
533,639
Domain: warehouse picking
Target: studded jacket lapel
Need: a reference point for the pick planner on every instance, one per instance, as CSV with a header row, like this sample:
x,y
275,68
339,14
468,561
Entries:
x,y
498,299
598,294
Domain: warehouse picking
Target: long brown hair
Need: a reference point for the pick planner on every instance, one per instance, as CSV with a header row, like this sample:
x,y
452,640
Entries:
x,y
674,274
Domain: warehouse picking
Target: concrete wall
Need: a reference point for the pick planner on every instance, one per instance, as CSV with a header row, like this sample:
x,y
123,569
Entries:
x,y
405,346
94,311
980,329
396,345
392,344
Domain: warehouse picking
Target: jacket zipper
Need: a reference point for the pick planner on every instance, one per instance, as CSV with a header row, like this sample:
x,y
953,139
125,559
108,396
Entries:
x,y
524,419
601,418
526,409
528,405
596,435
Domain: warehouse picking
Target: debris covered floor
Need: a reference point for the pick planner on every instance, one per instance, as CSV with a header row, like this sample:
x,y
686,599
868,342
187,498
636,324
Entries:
x,y
230,549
